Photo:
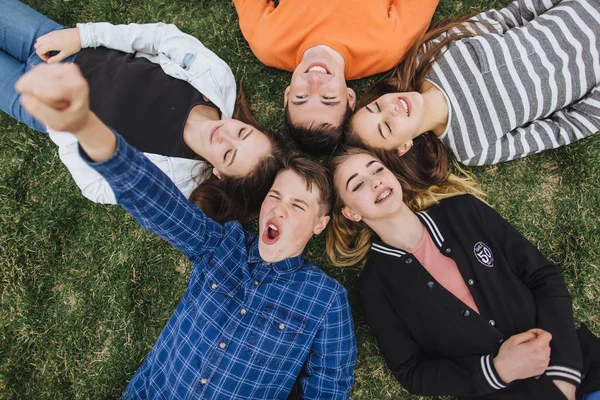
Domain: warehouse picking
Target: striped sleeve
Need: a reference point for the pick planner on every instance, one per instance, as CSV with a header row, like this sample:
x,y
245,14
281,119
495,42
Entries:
x,y
564,373
490,374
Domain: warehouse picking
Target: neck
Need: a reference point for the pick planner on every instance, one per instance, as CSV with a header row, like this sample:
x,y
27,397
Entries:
x,y
402,230
435,108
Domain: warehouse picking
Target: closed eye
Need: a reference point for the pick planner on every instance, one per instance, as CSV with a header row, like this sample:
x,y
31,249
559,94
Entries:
x,y
378,170
377,105
297,206
225,155
240,132
357,187
388,126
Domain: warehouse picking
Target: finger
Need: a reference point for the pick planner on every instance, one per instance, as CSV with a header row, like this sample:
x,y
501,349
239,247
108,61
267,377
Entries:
x,y
42,51
57,58
524,337
44,113
46,83
544,336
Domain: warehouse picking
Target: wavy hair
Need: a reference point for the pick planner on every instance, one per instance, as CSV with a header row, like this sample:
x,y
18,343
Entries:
x,y
347,242
239,198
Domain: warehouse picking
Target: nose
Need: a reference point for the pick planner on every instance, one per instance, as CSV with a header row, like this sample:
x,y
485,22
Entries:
x,y
280,210
392,109
375,183
314,81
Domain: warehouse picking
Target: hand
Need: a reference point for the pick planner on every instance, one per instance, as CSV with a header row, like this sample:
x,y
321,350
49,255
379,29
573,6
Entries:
x,y
524,355
568,389
57,95
65,41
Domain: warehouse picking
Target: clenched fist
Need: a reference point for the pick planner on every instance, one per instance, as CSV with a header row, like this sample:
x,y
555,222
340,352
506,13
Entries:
x,y
57,95
524,355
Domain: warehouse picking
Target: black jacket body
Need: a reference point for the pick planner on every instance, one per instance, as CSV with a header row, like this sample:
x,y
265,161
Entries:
x,y
436,345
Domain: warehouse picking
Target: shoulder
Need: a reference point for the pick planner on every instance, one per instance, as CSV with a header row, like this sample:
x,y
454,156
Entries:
x,y
461,206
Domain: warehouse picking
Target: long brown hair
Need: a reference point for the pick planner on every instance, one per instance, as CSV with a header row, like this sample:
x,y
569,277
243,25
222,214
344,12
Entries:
x,y
409,76
348,242
239,198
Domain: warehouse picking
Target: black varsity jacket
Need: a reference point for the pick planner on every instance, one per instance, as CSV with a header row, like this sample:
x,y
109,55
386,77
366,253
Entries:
x,y
436,345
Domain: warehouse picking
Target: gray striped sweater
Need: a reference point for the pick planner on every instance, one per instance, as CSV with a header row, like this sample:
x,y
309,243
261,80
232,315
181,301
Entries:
x,y
527,82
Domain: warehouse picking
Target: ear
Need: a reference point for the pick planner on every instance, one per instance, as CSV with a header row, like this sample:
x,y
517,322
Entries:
x,y
321,224
351,215
217,174
286,95
351,98
404,148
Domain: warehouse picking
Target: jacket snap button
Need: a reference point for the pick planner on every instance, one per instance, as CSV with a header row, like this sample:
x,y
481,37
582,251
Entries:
x,y
448,250
408,260
501,341
466,313
430,284
492,322
471,282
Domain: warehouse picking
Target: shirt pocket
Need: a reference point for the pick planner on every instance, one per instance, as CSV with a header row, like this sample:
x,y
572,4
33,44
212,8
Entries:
x,y
275,333
214,293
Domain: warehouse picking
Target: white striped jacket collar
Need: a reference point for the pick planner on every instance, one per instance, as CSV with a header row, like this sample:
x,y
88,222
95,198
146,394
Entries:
x,y
430,225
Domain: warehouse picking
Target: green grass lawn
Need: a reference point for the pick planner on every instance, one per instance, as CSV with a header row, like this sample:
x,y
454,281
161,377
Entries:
x,y
85,292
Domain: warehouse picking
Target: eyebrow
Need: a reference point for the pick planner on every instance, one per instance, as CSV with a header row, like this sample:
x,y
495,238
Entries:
x,y
369,110
248,134
232,158
349,179
379,129
370,163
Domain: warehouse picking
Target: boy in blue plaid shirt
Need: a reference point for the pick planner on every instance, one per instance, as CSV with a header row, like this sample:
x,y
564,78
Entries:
x,y
255,316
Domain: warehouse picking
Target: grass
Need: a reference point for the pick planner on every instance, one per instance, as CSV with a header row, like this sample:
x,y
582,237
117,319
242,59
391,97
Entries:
x,y
85,292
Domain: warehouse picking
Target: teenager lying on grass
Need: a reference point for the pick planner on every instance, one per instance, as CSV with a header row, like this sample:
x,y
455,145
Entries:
x,y
324,43
499,86
256,315
460,303
166,93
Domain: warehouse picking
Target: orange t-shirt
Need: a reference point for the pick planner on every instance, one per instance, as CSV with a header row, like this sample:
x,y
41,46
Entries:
x,y
371,35
443,269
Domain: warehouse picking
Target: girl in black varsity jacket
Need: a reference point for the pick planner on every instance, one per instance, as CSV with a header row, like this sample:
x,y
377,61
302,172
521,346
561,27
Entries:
x,y
517,340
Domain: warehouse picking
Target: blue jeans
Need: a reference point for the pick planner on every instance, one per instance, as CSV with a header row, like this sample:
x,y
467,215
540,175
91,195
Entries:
x,y
592,396
20,26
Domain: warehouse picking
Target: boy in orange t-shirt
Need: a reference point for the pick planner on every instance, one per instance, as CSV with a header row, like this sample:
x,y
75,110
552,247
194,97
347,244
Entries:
x,y
325,42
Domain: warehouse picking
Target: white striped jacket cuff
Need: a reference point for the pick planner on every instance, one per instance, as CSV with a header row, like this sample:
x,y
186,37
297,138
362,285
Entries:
x,y
563,373
490,374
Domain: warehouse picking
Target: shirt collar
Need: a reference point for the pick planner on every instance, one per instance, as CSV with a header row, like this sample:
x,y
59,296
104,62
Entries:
x,y
281,267
432,227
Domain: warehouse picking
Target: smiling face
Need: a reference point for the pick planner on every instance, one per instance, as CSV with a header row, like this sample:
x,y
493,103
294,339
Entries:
x,y
290,215
232,147
368,190
318,93
391,121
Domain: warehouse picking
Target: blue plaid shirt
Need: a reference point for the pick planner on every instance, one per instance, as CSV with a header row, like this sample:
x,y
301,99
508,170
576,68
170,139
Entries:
x,y
244,329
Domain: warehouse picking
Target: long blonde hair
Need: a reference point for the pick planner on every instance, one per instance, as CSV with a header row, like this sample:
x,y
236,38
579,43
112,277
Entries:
x,y
348,242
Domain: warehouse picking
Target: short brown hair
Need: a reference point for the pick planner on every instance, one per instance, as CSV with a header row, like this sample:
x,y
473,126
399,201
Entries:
x,y
314,174
318,140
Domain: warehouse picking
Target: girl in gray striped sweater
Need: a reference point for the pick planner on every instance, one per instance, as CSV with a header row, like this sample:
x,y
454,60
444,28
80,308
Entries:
x,y
498,86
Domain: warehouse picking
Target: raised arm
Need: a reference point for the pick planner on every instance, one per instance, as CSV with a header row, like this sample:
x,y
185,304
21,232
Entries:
x,y
552,299
329,370
57,95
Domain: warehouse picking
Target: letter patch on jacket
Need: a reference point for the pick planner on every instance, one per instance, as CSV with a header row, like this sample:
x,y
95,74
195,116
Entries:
x,y
484,255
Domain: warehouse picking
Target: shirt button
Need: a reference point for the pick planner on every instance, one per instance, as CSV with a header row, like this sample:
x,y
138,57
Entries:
x,y
281,326
203,381
256,283
222,345
243,311
430,284
408,260
465,313
213,286
471,282
492,322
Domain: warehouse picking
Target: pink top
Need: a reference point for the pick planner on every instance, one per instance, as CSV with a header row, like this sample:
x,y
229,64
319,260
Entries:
x,y
443,269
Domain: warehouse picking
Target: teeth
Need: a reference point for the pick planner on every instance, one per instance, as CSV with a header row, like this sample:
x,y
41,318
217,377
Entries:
x,y
316,68
405,106
273,227
383,195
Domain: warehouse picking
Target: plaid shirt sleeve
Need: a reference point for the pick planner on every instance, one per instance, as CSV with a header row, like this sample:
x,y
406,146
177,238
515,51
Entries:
x,y
155,202
330,365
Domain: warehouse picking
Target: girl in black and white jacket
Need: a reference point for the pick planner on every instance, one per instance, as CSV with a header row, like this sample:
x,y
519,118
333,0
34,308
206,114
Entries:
x,y
495,322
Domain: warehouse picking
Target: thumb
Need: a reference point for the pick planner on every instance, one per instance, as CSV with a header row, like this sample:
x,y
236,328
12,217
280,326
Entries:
x,y
57,58
44,113
524,337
